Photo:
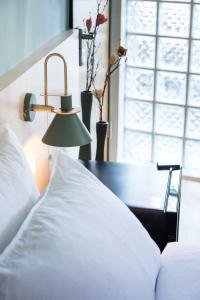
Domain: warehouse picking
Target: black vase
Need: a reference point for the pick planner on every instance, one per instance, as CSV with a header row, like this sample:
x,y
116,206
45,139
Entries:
x,y
101,130
86,107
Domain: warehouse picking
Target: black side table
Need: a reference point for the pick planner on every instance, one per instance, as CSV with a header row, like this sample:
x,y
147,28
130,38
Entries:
x,y
153,196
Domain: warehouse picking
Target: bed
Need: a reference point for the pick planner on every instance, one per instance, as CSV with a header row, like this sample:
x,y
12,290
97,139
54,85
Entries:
x,y
78,241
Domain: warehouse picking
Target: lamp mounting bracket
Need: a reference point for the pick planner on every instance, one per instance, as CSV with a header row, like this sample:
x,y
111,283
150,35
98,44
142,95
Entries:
x,y
28,113
30,107
83,36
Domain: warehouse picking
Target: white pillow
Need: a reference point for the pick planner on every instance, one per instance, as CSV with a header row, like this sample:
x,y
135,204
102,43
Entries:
x,y
80,242
108,237
18,190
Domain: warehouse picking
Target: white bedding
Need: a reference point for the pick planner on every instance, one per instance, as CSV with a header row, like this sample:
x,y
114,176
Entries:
x,y
80,242
179,276
18,190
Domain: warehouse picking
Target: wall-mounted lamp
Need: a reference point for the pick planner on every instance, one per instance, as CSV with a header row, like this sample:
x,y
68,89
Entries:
x,y
66,129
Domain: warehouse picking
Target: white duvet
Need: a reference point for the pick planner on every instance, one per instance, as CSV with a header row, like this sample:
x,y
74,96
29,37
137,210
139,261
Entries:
x,y
179,276
79,242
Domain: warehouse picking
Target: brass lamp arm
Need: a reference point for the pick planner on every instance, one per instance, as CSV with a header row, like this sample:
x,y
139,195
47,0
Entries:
x,y
30,106
46,76
42,108
52,109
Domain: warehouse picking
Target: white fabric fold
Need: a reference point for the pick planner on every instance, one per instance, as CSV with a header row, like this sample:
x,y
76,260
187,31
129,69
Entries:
x,y
80,242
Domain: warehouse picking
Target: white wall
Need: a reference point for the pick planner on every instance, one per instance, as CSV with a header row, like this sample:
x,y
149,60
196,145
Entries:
x,y
82,10
32,81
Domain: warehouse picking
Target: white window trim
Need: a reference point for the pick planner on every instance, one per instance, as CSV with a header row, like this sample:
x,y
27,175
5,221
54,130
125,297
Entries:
x,y
117,36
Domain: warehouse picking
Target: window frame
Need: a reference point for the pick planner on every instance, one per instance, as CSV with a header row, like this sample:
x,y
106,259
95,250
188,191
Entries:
x,y
116,90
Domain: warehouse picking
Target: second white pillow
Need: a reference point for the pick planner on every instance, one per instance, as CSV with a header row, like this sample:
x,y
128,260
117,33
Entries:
x,y
18,190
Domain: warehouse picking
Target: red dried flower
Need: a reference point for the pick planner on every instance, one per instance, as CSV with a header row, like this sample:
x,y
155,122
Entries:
x,y
89,24
101,19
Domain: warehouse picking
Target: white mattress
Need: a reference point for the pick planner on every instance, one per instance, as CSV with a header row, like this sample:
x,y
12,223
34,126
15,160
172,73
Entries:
x,y
179,276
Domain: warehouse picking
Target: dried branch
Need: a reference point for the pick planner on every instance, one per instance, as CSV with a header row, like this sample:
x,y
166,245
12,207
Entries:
x,y
91,71
114,64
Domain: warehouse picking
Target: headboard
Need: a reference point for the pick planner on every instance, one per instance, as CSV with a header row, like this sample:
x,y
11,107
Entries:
x,y
32,81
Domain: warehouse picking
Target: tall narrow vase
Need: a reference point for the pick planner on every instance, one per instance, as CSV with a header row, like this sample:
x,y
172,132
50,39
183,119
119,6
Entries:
x,y
101,130
86,107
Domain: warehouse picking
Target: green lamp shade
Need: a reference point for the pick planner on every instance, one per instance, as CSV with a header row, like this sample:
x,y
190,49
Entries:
x,y
66,131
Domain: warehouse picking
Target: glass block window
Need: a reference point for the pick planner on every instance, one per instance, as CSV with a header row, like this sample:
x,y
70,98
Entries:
x,y
162,82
